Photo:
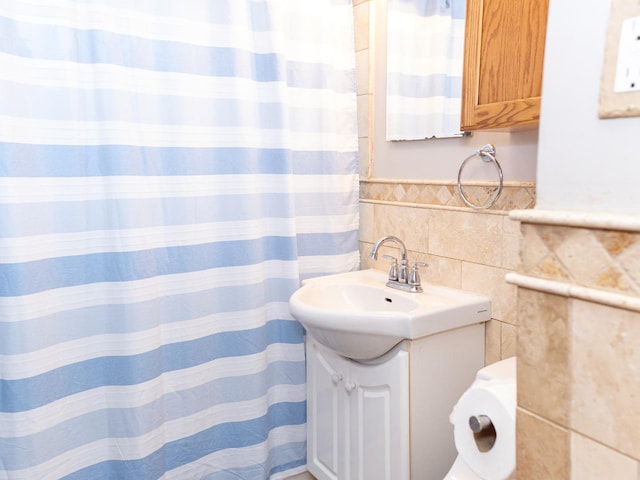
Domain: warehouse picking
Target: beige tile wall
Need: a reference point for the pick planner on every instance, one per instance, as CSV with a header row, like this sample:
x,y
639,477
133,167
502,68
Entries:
x,y
579,353
464,249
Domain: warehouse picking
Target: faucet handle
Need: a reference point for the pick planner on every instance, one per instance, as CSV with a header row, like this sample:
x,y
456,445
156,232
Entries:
x,y
393,271
414,276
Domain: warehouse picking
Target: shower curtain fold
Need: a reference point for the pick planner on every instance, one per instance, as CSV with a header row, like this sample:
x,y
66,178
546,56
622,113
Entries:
x,y
168,176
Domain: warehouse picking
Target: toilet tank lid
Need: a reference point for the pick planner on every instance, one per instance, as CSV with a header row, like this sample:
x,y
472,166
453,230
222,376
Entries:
x,y
504,369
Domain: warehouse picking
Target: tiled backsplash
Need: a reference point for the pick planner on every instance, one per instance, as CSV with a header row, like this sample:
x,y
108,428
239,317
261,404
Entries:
x,y
464,248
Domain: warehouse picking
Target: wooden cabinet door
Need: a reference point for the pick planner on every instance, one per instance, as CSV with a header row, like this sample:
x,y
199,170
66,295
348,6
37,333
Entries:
x,y
503,61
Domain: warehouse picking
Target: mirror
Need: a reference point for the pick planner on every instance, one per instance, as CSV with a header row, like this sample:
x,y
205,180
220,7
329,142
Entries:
x,y
425,42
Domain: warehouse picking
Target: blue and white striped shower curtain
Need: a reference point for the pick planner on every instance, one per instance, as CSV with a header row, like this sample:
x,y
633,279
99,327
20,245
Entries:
x,y
169,171
425,45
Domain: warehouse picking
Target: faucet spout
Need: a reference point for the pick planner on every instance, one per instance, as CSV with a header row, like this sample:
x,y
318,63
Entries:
x,y
398,276
389,238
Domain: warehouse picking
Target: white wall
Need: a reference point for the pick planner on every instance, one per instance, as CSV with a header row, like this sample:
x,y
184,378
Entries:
x,y
438,159
584,163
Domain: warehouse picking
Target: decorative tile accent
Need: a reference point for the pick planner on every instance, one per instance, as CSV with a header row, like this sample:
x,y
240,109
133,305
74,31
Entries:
x,y
443,195
579,342
601,259
399,192
519,195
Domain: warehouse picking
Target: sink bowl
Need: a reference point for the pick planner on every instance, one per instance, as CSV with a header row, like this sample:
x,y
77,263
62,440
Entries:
x,y
356,315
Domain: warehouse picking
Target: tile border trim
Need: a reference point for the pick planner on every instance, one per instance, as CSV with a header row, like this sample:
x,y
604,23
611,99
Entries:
x,y
431,206
515,195
487,183
574,291
593,220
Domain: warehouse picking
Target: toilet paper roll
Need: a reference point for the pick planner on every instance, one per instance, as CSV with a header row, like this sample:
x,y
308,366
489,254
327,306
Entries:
x,y
496,400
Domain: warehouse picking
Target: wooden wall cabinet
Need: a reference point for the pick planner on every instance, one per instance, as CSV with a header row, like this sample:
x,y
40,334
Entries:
x,y
503,61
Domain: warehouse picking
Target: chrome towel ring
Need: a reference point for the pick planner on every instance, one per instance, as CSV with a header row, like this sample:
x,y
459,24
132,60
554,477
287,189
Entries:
x,y
487,154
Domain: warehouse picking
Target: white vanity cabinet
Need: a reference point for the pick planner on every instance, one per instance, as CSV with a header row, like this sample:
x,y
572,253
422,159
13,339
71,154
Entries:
x,y
358,416
389,420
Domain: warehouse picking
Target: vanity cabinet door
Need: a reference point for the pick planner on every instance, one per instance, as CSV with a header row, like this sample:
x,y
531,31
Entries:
x,y
357,416
326,413
503,60
379,419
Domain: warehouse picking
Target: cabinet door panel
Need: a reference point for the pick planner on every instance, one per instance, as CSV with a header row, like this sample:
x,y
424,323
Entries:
x,y
503,62
325,413
379,423
372,433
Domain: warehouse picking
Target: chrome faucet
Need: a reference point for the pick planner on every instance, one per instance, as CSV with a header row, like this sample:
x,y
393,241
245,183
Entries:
x,y
398,276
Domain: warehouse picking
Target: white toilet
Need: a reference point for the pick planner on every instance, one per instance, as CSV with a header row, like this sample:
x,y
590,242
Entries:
x,y
484,425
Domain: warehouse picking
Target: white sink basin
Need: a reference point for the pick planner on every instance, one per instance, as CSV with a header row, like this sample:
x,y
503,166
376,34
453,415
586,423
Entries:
x,y
356,315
